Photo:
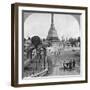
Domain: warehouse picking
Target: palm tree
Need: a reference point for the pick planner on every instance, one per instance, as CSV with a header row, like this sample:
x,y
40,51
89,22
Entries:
x,y
35,40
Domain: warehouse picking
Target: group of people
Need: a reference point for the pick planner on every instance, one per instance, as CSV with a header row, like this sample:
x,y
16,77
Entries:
x,y
37,57
70,65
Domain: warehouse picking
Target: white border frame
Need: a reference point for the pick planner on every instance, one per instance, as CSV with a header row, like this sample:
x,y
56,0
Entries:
x,y
51,79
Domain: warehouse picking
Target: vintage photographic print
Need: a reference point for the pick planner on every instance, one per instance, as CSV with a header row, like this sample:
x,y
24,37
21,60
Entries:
x,y
50,44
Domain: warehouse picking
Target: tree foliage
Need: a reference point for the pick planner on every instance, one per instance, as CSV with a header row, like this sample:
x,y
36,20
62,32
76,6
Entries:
x,y
35,40
73,41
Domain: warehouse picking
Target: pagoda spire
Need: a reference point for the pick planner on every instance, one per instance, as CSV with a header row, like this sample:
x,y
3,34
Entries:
x,y
52,21
52,34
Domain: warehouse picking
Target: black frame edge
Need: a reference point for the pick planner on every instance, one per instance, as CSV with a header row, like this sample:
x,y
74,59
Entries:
x,y
12,44
86,42
50,5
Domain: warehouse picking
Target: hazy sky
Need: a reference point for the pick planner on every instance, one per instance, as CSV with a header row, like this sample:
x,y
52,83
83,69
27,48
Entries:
x,y
66,25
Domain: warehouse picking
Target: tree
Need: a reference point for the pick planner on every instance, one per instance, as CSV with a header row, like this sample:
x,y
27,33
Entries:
x,y
28,38
73,41
78,39
44,39
24,39
35,40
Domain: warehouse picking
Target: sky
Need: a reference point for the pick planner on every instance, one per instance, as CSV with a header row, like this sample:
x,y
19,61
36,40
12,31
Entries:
x,y
66,25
